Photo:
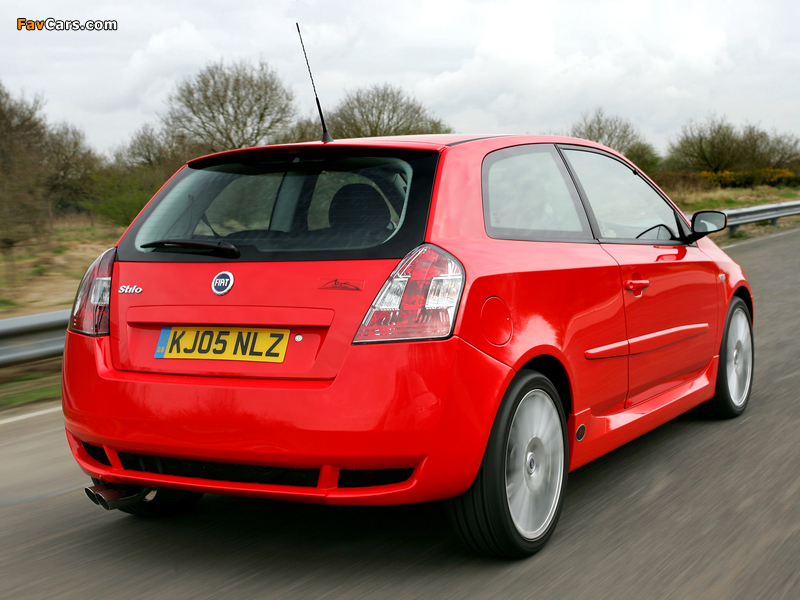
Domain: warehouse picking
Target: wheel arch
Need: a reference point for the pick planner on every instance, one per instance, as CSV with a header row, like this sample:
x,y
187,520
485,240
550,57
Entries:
x,y
555,371
743,293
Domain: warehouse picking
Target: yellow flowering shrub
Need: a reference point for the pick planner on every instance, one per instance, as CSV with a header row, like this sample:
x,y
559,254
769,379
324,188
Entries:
x,y
751,178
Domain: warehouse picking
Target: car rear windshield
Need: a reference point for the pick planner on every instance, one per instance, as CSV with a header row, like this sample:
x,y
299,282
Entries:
x,y
294,205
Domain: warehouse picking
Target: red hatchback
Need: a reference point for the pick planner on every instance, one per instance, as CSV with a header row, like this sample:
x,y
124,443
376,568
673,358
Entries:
x,y
399,320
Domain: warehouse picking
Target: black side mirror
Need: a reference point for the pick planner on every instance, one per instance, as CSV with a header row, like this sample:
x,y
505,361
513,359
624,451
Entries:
x,y
707,221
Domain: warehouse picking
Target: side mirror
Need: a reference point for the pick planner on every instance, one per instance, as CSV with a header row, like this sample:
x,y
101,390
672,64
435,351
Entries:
x,y
707,221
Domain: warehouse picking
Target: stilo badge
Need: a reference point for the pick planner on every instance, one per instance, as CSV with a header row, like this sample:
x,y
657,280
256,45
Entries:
x,y
222,283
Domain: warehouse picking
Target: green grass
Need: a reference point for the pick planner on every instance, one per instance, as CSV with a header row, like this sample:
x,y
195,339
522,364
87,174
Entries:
x,y
18,257
30,387
88,234
712,203
59,250
40,270
7,303
691,199
30,395
27,377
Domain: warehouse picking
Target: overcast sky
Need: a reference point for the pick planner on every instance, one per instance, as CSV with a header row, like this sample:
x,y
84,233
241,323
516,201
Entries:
x,y
482,67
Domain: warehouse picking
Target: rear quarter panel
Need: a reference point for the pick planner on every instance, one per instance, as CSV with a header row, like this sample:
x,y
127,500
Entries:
x,y
563,298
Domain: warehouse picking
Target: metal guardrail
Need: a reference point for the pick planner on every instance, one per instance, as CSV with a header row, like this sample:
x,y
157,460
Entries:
x,y
765,212
23,339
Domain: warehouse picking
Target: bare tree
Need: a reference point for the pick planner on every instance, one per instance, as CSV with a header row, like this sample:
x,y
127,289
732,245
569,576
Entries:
x,y
148,146
619,134
162,148
230,106
382,110
22,172
643,155
306,129
711,145
762,150
612,131
71,166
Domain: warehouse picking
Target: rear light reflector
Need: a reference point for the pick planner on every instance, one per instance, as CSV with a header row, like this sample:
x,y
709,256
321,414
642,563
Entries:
x,y
418,301
90,313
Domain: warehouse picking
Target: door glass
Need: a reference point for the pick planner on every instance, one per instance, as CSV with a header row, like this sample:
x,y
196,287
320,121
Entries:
x,y
527,194
623,203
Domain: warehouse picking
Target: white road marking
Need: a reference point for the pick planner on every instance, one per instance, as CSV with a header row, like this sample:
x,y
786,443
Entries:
x,y
29,415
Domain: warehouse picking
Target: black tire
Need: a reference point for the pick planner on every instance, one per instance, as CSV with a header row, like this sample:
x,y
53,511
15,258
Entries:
x,y
736,361
482,516
161,502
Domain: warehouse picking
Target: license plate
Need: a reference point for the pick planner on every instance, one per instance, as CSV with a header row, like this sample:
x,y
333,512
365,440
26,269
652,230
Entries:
x,y
223,343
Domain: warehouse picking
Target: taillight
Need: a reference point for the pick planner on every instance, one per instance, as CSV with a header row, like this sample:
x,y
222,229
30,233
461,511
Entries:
x,y
418,301
90,313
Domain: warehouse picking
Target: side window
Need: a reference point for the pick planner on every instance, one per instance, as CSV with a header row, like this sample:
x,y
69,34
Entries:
x,y
528,195
623,203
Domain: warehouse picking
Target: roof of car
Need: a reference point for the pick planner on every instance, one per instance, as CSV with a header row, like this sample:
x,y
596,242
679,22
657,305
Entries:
x,y
424,141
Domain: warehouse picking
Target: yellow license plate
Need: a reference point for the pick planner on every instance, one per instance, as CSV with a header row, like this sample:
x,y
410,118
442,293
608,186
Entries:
x,y
223,343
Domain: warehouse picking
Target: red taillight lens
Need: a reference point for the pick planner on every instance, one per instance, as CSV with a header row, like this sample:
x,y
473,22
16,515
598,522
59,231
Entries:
x,y
418,301
90,313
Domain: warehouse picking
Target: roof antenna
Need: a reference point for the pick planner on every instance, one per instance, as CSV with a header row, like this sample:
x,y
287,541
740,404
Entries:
x,y
326,137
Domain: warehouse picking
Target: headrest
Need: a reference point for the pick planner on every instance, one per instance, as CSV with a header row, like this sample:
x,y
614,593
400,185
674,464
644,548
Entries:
x,y
358,205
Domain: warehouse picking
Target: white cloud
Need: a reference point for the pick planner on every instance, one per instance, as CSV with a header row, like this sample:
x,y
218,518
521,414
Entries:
x,y
483,66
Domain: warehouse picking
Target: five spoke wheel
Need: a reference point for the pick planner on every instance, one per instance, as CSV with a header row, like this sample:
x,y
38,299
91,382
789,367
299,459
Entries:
x,y
513,505
735,376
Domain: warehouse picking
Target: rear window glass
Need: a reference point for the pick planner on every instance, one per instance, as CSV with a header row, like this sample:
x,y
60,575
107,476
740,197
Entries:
x,y
528,195
308,205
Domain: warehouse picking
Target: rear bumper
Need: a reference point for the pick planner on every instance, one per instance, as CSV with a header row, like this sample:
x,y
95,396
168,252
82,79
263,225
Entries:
x,y
426,406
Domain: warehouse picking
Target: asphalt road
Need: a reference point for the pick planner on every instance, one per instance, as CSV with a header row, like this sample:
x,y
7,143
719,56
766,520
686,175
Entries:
x,y
697,508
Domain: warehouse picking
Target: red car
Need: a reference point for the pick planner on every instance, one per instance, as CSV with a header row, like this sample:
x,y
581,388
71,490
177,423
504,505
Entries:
x,y
397,320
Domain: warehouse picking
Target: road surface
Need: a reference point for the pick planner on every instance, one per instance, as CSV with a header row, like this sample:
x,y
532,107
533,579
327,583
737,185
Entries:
x,y
697,508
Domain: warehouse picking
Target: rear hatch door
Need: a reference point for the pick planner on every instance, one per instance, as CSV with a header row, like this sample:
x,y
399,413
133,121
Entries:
x,y
263,263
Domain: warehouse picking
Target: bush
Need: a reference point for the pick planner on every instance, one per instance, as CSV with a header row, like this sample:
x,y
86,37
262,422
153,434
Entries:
x,y
711,145
121,193
740,179
717,146
619,134
683,181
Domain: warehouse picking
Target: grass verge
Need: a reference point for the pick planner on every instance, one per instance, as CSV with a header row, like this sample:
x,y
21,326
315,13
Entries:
x,y
689,200
31,382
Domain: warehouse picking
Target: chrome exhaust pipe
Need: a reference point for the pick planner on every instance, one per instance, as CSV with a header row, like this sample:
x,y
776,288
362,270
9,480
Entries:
x,y
91,492
117,496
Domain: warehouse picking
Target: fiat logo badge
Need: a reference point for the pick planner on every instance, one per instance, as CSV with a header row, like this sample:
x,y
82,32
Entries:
x,y
222,283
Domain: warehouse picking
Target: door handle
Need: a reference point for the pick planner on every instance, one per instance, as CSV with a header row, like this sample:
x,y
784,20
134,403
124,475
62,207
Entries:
x,y
636,284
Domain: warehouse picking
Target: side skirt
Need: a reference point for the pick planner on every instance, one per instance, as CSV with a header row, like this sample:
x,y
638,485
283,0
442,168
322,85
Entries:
x,y
609,431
